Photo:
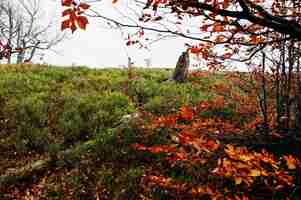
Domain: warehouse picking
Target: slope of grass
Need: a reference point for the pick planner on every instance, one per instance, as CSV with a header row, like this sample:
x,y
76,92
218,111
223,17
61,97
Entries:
x,y
87,121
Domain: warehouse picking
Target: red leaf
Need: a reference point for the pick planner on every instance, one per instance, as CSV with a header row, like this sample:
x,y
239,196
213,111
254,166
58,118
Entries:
x,y
67,2
73,27
128,43
139,147
205,27
195,50
82,22
68,11
65,24
212,145
186,113
141,33
84,6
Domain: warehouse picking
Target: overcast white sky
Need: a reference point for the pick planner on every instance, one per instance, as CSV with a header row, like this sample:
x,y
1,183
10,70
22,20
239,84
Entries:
x,y
100,47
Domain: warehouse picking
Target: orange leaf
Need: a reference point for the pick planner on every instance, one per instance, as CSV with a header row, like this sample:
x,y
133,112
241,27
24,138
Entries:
x,y
218,28
254,172
291,162
82,22
220,38
256,39
237,180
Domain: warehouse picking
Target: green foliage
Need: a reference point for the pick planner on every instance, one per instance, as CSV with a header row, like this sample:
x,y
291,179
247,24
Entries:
x,y
44,106
142,90
85,115
165,97
225,113
28,116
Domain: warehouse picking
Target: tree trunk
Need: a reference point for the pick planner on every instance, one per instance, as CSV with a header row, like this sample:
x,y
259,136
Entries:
x,y
298,117
298,113
181,70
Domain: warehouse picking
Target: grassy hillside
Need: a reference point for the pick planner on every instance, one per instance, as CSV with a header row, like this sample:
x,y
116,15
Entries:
x,y
104,135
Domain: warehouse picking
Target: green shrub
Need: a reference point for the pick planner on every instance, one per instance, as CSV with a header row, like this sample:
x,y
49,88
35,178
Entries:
x,y
28,117
141,90
172,96
225,113
84,115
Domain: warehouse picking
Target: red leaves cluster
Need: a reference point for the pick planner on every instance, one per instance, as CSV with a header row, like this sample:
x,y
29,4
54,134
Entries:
x,y
207,125
5,51
196,143
202,50
74,13
255,39
185,113
135,38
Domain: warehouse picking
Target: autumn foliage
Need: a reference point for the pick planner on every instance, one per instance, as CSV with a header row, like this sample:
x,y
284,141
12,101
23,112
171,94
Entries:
x,y
218,169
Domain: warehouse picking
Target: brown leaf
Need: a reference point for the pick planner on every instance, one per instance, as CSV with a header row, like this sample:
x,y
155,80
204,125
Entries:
x,y
68,11
84,6
65,24
67,2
